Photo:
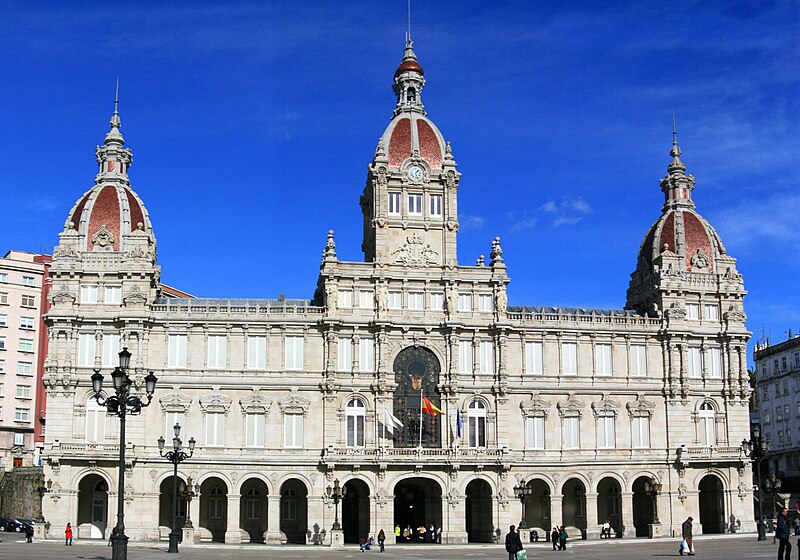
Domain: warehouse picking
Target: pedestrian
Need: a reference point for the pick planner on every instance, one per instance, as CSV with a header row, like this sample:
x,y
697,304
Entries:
x,y
797,526
562,538
29,532
112,535
606,530
782,534
513,543
396,533
431,533
382,537
68,535
686,533
421,533
554,538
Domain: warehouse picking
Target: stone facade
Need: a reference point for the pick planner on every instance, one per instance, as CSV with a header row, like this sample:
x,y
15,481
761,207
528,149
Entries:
x,y
585,407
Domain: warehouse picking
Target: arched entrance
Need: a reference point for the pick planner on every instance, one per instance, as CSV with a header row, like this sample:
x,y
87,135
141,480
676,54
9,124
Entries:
x,y
418,503
253,509
609,505
92,507
165,506
642,507
355,511
214,509
712,505
573,506
479,511
294,511
416,372
537,509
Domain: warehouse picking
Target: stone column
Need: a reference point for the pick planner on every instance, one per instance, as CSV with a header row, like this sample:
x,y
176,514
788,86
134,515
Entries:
x,y
556,510
382,508
454,519
273,534
233,534
592,523
626,503
316,516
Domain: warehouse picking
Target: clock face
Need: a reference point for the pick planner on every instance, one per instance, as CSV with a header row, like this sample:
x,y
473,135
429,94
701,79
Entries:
x,y
415,173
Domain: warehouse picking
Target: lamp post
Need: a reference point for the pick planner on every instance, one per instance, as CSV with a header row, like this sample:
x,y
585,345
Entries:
x,y
522,491
757,449
653,488
773,485
42,489
336,493
121,404
187,492
176,456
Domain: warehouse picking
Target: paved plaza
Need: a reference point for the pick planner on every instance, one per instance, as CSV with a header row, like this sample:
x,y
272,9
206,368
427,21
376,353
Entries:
x,y
721,548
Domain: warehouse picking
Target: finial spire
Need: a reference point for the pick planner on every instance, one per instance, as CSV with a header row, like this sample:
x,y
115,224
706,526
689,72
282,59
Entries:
x,y
677,185
674,130
676,165
115,123
408,31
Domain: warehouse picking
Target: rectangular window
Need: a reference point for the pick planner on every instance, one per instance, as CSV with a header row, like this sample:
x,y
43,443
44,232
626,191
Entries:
x,y
784,365
293,430
641,431
602,359
2,343
217,351
465,302
172,418
476,430
366,299
768,419
416,300
485,303
437,302
797,359
26,344
486,357
569,358
110,350
28,301
96,423
2,390
394,203
711,311
176,351
3,298
695,364
86,352
3,277
215,429
257,352
23,391
534,426
293,349
571,432
775,365
366,354
19,439
355,430
638,363
692,311
395,300
3,320
26,323
345,346
22,414
714,363
778,414
436,205
254,436
28,281
2,366
88,294
345,298
606,433
465,356
415,204
113,294
533,358
24,368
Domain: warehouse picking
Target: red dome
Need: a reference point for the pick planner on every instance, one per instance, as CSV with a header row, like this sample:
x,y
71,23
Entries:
x,y
409,66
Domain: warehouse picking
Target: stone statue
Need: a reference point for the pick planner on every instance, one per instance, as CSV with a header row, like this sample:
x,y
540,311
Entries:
x,y
382,297
330,296
502,300
450,301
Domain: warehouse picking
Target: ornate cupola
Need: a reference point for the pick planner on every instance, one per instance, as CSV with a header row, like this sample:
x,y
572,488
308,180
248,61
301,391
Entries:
x,y
681,253
409,202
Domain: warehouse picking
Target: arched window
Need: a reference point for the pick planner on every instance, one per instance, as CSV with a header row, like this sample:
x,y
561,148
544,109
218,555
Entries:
x,y
355,414
707,424
216,503
476,423
95,422
252,506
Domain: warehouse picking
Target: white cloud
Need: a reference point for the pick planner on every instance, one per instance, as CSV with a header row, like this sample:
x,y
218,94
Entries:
x,y
760,221
471,222
528,223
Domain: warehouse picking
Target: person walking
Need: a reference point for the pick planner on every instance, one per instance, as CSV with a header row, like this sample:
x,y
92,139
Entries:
x,y
686,533
28,532
782,534
562,538
554,538
68,535
382,538
396,533
513,543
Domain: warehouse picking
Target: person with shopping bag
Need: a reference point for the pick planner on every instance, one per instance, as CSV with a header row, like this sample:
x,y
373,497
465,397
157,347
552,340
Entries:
x,y
514,545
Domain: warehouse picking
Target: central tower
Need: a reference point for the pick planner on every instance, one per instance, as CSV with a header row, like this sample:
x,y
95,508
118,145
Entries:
x,y
409,201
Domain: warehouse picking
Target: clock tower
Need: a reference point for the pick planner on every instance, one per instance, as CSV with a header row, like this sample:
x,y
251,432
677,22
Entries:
x,y
409,201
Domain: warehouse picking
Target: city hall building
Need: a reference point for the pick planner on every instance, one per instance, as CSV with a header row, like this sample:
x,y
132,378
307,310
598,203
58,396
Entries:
x,y
631,415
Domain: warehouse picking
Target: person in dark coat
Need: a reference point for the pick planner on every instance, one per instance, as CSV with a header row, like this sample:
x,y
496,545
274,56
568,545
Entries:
x,y
562,538
686,533
782,534
29,533
513,543
382,539
554,538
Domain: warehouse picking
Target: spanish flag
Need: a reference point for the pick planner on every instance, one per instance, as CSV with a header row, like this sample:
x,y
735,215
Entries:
x,y
429,408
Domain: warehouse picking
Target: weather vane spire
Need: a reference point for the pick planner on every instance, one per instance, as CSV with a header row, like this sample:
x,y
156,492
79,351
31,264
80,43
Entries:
x,y
674,130
408,31
116,99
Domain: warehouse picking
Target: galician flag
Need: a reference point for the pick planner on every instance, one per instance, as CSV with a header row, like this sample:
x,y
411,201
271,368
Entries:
x,y
390,421
429,408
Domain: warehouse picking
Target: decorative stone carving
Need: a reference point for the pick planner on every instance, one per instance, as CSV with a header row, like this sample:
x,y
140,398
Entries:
x,y
536,406
503,497
605,405
453,498
700,260
255,403
63,295
641,406
570,406
215,402
415,253
294,403
735,313
496,255
501,300
331,295
103,240
175,401
134,296
329,253
682,492
676,311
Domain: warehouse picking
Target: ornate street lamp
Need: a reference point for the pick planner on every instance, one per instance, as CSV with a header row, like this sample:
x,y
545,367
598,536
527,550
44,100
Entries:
x,y
653,488
522,491
176,456
757,449
121,404
187,492
336,494
41,489
773,485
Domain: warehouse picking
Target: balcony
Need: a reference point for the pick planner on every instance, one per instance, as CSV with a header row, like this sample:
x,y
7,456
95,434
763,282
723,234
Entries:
x,y
412,456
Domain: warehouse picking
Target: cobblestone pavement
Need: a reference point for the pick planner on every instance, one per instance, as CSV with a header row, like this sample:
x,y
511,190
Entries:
x,y
747,547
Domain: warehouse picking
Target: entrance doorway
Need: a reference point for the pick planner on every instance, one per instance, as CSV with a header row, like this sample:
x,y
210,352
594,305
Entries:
x,y
355,511
573,505
294,511
418,503
253,509
214,508
165,505
609,505
480,527
642,507
93,505
712,508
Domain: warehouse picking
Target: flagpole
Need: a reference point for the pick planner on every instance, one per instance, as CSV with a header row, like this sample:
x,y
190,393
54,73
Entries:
x,y
384,423
420,417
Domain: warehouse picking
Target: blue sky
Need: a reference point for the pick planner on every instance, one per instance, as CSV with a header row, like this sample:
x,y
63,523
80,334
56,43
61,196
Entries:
x,y
252,125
